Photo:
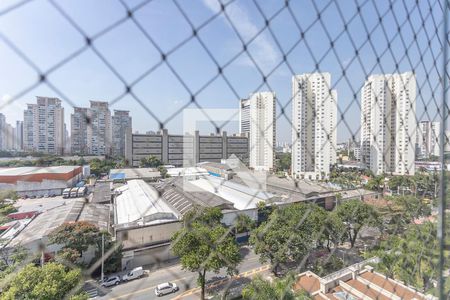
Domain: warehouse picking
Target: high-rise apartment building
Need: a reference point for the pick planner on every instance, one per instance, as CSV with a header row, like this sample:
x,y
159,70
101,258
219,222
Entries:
x,y
427,139
43,127
388,123
19,135
121,127
91,129
78,130
258,120
314,121
3,131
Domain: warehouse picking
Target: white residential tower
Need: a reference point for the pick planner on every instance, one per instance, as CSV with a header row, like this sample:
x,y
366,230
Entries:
x,y
388,123
257,116
314,119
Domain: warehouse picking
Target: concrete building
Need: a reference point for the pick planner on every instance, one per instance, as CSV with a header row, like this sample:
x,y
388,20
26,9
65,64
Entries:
x,y
258,120
19,135
179,150
3,131
39,181
146,216
388,123
91,131
427,139
78,128
314,121
121,128
43,126
33,228
10,137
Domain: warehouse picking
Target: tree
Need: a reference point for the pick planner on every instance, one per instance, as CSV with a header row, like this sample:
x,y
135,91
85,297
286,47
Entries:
x,y
150,162
163,171
283,163
279,289
355,214
411,257
376,183
78,236
243,223
52,281
10,259
327,264
334,230
289,234
205,245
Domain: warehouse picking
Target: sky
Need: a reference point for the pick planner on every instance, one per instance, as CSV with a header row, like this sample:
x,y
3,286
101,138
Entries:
x,y
45,37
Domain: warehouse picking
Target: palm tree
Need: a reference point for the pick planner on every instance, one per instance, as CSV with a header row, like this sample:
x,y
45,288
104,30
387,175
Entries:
x,y
278,289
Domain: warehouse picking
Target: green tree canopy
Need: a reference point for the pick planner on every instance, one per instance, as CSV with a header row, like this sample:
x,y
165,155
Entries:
x,y
334,230
150,162
76,237
52,281
410,257
356,214
278,289
205,245
289,234
243,223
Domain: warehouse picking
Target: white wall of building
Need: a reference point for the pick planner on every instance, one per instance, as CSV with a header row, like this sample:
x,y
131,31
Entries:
x,y
388,123
258,119
314,119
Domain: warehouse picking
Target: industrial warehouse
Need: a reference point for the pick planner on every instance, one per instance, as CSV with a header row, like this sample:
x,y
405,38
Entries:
x,y
142,210
40,181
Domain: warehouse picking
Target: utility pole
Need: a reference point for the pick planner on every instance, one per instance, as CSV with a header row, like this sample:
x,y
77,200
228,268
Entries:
x,y
103,253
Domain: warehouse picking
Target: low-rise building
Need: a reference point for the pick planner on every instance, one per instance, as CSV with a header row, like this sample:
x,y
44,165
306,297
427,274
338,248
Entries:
x,y
146,216
357,282
147,174
32,232
39,181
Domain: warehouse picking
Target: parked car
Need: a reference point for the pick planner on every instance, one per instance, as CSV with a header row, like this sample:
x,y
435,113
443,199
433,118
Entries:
x,y
110,281
165,288
133,274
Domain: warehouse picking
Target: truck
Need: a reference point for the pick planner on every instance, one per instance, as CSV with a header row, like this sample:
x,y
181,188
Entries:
x,y
66,193
74,192
82,191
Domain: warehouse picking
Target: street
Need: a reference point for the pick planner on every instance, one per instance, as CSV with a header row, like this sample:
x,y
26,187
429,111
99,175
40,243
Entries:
x,y
143,288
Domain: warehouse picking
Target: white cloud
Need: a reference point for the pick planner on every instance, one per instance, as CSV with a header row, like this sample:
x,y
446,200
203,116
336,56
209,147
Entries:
x,y
262,48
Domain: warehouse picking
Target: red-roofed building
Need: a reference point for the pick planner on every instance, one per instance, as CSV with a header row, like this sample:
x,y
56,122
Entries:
x,y
357,282
39,181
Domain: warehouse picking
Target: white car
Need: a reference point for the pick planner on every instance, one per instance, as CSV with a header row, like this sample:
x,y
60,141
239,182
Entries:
x,y
110,281
165,288
133,274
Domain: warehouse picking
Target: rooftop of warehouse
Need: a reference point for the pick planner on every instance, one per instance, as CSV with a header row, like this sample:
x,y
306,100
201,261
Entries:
x,y
242,196
134,173
138,202
23,171
215,165
70,210
183,196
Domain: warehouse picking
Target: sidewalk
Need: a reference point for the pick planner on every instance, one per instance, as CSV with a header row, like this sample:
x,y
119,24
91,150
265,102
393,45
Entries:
x,y
217,286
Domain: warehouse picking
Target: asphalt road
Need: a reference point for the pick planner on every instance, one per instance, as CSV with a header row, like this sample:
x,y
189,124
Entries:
x,y
143,288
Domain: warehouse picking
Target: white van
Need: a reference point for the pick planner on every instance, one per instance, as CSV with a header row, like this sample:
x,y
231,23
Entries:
x,y
133,274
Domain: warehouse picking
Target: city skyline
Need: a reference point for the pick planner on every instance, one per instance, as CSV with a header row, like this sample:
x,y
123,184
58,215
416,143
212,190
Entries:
x,y
89,78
